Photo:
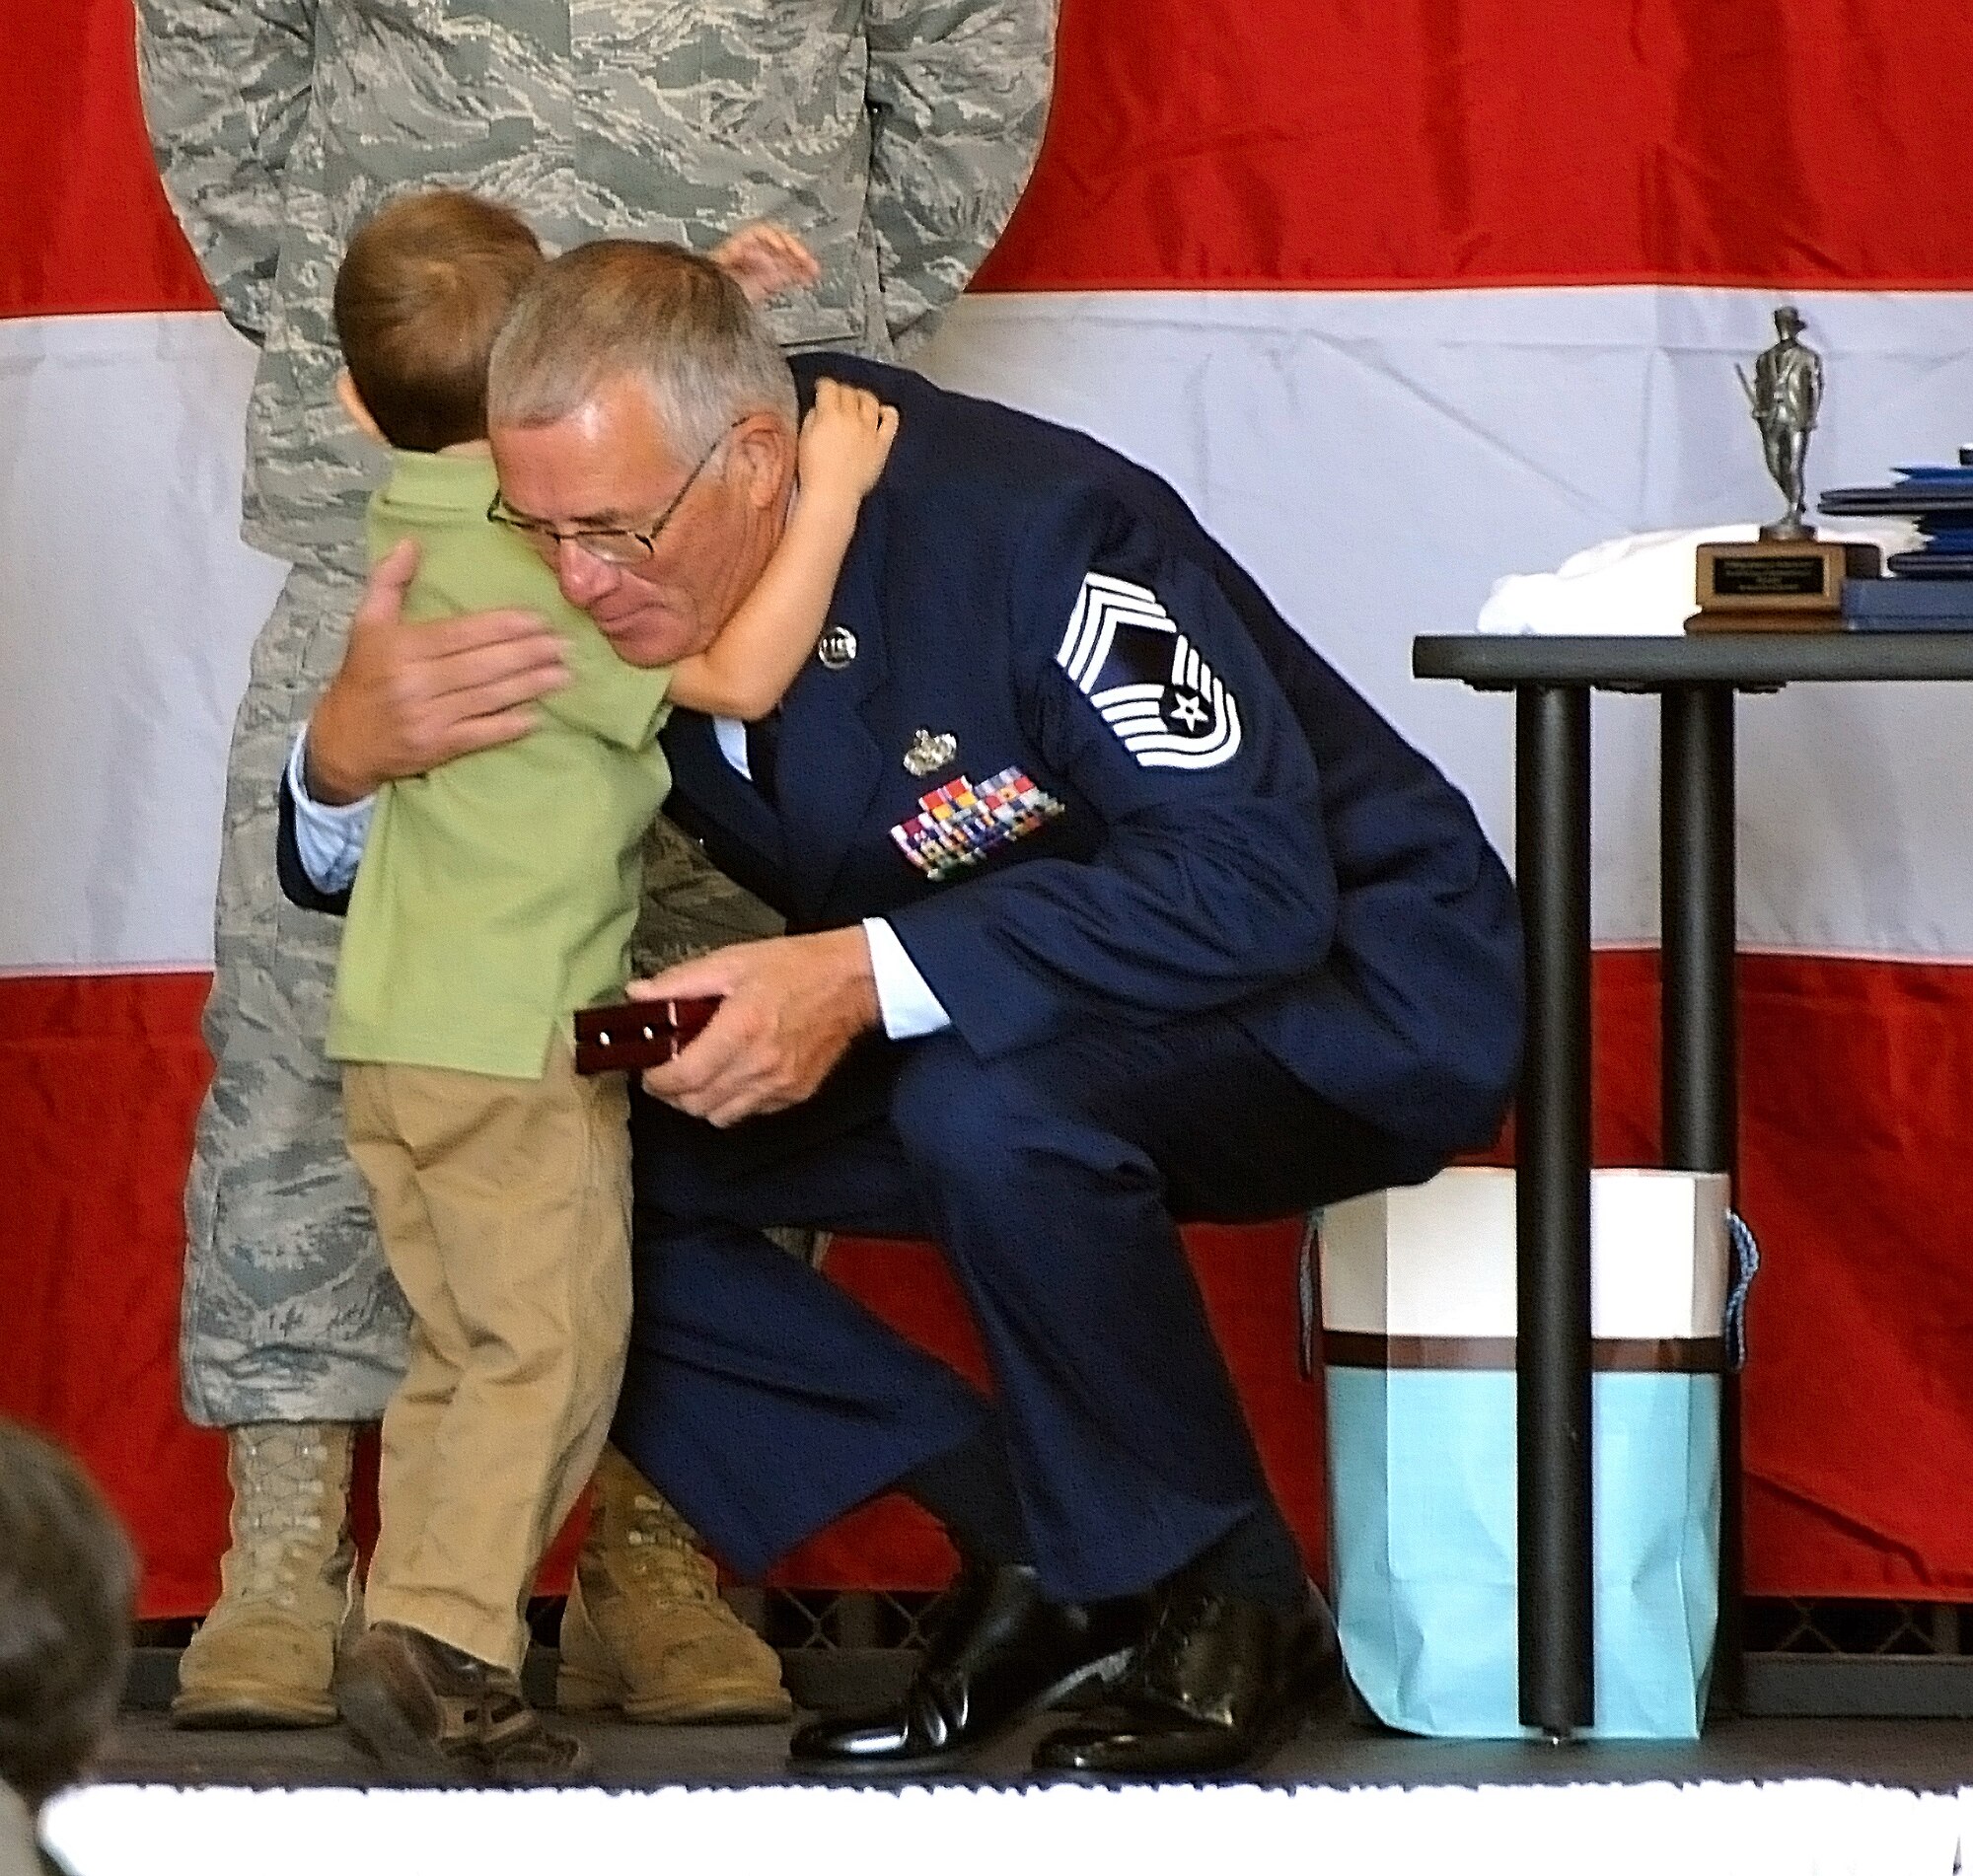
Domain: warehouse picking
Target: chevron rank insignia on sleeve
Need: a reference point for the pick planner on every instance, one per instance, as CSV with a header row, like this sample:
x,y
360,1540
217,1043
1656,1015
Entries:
x,y
1124,653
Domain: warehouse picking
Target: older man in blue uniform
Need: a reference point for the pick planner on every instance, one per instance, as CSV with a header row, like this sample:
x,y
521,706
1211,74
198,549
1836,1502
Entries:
x,y
1109,905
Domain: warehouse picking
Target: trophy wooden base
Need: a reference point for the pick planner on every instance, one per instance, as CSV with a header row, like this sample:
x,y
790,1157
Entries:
x,y
1776,586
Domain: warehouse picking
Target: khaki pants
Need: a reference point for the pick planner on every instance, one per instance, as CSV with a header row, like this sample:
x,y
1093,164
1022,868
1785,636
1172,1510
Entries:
x,y
504,1209
290,1310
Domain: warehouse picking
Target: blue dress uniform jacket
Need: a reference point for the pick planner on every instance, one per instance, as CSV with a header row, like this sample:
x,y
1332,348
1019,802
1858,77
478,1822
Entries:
x,y
1240,833
1214,941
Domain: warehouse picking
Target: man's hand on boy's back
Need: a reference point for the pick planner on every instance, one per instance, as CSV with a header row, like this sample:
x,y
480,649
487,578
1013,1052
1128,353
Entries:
x,y
408,697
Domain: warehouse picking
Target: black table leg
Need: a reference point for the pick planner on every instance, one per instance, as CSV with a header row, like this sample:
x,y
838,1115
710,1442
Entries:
x,y
1699,1030
1551,840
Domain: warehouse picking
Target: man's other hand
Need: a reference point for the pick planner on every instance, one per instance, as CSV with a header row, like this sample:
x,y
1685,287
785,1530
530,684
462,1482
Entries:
x,y
790,1009
408,697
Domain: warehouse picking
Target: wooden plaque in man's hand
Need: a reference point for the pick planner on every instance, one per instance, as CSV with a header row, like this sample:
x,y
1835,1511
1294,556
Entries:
x,y
638,1035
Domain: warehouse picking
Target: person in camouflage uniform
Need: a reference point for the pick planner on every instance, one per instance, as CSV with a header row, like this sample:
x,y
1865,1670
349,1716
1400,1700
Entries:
x,y
893,136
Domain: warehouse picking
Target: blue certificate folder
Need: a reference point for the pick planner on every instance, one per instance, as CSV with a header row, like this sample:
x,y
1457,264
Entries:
x,y
1908,606
1422,1520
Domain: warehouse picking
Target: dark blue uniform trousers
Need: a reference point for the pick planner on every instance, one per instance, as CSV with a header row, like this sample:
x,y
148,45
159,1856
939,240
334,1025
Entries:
x,y
765,1402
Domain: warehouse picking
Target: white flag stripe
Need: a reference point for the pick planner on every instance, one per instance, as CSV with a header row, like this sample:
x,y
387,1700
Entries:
x,y
1438,439
1399,451
126,616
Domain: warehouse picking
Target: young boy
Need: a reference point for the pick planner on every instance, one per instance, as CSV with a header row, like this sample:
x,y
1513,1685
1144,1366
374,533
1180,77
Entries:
x,y
496,895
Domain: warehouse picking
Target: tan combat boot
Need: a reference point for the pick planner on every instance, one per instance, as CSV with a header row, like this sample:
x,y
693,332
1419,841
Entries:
x,y
287,1595
646,1633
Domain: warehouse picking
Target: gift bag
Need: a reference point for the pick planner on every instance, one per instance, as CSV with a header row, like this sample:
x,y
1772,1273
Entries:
x,y
1418,1322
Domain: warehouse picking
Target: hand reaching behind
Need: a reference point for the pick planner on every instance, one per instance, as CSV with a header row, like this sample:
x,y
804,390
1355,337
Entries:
x,y
766,261
845,440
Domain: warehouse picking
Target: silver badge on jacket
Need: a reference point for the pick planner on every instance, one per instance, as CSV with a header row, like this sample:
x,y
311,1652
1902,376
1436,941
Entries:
x,y
928,754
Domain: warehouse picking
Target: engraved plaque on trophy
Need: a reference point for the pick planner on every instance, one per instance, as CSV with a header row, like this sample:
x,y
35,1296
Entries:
x,y
1795,586
1787,579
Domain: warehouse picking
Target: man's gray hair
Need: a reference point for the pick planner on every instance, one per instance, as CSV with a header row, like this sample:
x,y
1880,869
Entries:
x,y
637,309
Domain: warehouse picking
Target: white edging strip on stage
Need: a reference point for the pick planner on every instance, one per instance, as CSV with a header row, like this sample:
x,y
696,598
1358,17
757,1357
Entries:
x,y
1816,1828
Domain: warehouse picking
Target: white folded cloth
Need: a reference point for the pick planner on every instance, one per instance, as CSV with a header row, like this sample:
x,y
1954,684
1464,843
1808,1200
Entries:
x,y
1637,586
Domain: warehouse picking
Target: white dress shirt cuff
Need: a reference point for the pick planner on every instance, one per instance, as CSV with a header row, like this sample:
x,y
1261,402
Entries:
x,y
329,839
903,998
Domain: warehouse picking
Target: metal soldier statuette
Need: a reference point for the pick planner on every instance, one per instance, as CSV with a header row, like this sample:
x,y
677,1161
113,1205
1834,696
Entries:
x,y
1788,580
1784,399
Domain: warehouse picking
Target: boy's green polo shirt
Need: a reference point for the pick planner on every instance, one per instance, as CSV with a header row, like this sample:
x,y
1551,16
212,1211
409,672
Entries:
x,y
497,893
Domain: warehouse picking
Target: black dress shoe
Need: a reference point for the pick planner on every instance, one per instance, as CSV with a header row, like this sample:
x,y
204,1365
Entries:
x,y
1004,1652
1220,1685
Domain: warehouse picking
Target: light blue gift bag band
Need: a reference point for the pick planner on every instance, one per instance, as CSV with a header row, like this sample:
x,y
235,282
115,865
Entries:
x,y
1421,1470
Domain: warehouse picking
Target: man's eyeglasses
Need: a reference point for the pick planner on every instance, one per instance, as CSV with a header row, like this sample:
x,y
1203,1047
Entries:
x,y
618,546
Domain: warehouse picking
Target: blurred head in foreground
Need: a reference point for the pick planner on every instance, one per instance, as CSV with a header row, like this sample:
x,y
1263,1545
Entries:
x,y
67,1579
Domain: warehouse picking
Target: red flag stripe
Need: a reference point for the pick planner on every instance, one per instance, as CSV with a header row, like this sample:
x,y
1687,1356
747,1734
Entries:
x,y
1328,143
1280,143
1853,1395
84,224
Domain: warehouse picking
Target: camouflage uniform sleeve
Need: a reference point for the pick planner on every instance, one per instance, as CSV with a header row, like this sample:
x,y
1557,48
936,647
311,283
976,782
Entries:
x,y
225,87
958,92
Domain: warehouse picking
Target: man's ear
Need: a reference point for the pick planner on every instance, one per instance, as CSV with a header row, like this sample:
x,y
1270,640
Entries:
x,y
351,399
763,450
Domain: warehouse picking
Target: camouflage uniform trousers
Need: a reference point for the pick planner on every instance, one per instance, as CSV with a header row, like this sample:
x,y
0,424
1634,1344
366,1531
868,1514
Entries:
x,y
289,1311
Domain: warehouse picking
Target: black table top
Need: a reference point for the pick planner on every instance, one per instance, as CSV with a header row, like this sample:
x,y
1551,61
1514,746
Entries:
x,y
1749,661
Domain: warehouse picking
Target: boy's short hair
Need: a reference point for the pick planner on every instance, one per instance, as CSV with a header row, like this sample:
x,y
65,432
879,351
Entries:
x,y
67,1579
419,299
